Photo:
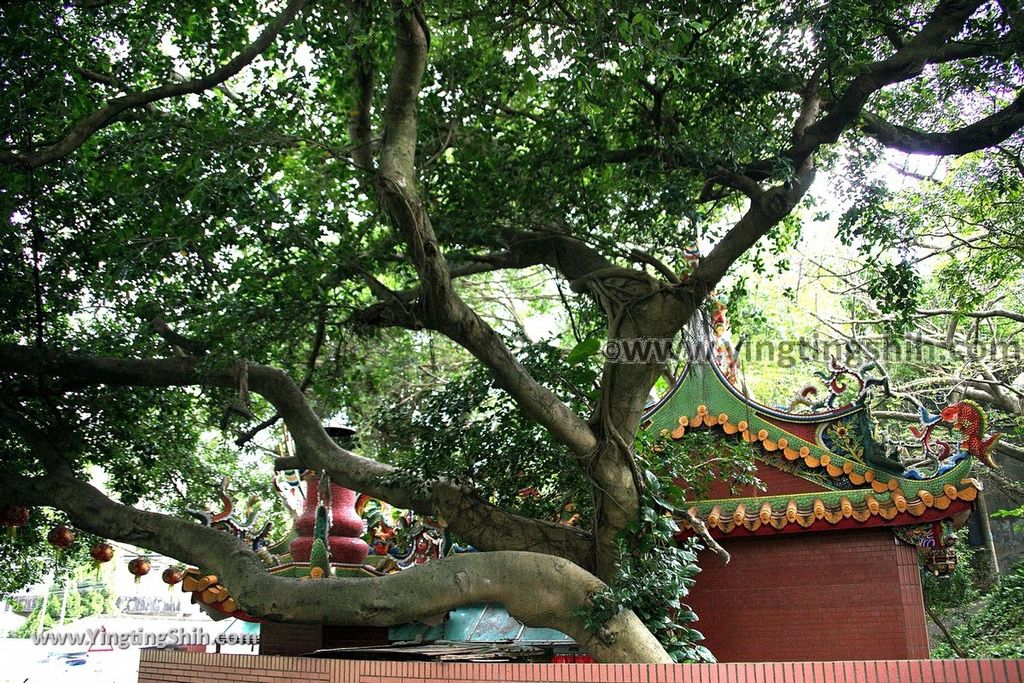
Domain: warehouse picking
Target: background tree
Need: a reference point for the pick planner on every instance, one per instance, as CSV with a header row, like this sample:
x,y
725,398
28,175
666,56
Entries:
x,y
931,286
992,630
246,215
942,282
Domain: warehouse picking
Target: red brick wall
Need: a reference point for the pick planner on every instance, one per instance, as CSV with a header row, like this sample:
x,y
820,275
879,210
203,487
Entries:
x,y
158,666
829,595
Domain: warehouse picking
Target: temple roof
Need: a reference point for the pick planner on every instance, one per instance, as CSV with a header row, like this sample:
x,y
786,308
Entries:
x,y
829,452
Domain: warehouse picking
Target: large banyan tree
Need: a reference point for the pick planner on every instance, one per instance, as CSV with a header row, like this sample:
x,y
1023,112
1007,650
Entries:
x,y
246,216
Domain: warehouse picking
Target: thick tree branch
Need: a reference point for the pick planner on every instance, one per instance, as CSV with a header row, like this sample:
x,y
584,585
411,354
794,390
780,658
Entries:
x,y
764,212
1010,450
987,132
810,106
359,127
398,152
573,259
179,341
931,44
990,313
439,307
660,312
653,311
994,392
314,355
1005,48
945,22
997,48
483,525
732,181
81,131
537,589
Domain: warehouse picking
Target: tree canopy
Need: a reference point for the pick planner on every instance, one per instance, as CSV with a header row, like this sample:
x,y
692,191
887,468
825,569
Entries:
x,y
222,219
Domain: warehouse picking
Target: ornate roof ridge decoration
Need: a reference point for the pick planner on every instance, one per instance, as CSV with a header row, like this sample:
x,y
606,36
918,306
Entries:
x,y
868,481
814,457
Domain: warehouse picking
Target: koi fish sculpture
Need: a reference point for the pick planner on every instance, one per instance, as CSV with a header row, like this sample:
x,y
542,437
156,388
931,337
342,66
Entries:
x,y
968,417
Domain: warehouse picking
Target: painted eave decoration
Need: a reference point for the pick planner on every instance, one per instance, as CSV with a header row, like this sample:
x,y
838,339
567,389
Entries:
x,y
851,482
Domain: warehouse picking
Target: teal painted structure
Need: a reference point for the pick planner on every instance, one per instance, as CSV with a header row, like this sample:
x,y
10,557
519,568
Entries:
x,y
487,623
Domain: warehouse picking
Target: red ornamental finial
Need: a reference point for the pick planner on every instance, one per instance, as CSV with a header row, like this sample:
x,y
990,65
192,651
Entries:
x,y
344,535
60,537
139,567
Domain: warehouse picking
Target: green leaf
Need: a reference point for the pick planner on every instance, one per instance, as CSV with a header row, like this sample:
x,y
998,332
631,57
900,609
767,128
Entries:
x,y
585,349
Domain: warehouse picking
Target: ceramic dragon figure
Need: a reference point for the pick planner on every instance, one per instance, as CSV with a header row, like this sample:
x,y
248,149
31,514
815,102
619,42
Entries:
x,y
839,377
931,446
243,529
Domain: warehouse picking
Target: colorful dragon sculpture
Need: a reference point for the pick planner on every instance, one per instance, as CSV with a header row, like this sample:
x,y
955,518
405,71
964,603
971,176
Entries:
x,y
402,537
967,417
836,380
245,530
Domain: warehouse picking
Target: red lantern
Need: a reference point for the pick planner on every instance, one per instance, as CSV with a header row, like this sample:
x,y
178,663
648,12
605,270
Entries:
x,y
100,553
172,576
139,567
12,517
60,537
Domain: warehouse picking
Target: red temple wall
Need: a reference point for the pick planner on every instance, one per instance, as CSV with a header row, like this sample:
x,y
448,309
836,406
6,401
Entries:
x,y
831,595
776,481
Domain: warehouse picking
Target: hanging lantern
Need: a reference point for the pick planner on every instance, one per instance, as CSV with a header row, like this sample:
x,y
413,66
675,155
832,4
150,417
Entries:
x,y
12,517
172,576
60,537
100,553
139,567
